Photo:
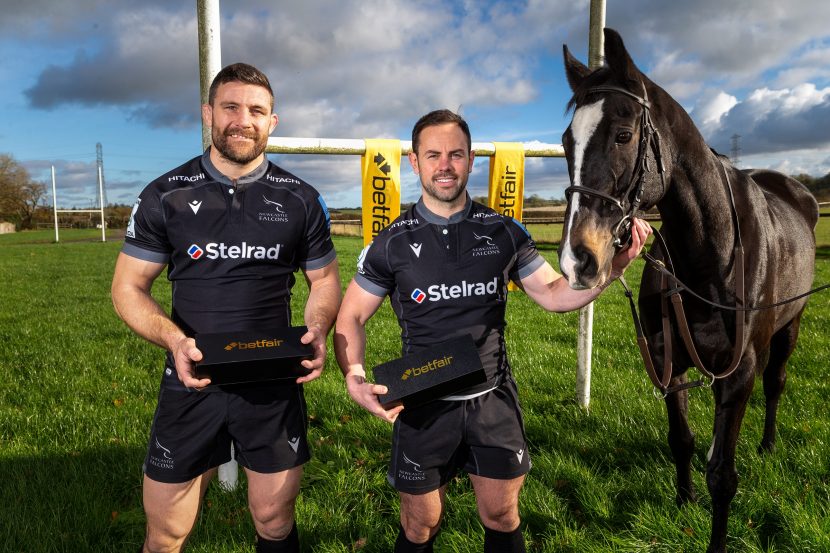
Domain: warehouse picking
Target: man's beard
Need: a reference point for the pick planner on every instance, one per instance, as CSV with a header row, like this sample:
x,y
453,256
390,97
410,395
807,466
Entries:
x,y
448,195
241,153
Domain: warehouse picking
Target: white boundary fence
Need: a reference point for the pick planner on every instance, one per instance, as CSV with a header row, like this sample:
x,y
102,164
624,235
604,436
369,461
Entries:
x,y
210,64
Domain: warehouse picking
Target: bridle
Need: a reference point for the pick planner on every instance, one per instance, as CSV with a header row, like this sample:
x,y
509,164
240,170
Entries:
x,y
649,140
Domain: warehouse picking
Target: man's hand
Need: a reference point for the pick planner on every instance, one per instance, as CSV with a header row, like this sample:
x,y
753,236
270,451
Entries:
x,y
317,339
319,314
366,395
186,355
640,231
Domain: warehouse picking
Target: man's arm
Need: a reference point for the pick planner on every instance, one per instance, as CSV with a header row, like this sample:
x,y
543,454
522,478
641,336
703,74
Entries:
x,y
320,312
551,290
131,285
350,350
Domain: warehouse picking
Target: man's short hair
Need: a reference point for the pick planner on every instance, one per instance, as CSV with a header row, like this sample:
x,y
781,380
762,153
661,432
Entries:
x,y
439,117
240,73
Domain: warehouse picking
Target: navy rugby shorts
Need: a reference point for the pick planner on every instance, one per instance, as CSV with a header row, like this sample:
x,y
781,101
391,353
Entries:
x,y
192,432
483,436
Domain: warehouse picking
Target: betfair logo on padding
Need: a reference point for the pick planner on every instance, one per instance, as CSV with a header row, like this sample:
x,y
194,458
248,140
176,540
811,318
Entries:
x,y
272,343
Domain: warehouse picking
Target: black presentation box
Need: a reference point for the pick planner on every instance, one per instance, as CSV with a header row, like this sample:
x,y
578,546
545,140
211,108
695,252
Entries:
x,y
439,371
253,356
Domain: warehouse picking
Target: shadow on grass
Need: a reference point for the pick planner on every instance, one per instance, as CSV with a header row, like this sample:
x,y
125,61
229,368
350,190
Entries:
x,y
91,502
600,475
82,501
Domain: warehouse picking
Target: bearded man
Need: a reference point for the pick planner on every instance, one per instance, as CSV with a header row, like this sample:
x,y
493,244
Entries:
x,y
232,228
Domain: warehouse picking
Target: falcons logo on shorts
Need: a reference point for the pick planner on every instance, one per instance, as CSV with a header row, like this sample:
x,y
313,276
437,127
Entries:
x,y
415,466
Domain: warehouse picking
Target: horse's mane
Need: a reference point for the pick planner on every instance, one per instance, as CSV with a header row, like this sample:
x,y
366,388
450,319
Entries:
x,y
718,154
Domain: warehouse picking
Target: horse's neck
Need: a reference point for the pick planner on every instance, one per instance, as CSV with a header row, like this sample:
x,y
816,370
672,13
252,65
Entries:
x,y
697,212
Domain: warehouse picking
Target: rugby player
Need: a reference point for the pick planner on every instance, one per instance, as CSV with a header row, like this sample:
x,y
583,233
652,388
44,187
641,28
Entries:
x,y
232,228
447,242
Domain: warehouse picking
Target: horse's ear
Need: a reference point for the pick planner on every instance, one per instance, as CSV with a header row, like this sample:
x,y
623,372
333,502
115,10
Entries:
x,y
574,69
617,58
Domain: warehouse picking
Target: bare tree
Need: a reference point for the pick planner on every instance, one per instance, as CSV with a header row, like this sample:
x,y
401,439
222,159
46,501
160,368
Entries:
x,y
20,196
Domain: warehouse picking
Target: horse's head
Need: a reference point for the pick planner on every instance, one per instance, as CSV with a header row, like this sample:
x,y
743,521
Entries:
x,y
614,161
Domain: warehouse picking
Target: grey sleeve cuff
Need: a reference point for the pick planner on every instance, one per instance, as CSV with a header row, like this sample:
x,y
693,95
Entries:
x,y
320,262
370,286
531,267
145,255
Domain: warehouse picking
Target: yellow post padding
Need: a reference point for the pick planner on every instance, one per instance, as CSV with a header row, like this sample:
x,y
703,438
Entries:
x,y
381,171
507,181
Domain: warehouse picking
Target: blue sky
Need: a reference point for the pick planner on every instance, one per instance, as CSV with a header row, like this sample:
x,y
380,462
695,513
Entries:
x,y
126,74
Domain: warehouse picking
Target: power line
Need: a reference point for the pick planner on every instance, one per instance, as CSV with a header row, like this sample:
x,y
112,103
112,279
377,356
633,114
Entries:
x,y
99,158
735,156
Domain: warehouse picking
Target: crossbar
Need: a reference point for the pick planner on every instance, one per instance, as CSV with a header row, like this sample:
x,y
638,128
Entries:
x,y
357,146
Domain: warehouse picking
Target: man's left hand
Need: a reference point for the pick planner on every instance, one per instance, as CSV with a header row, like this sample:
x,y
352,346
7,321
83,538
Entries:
x,y
317,339
640,231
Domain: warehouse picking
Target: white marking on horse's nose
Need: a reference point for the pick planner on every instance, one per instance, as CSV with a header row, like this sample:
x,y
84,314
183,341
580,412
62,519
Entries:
x,y
585,122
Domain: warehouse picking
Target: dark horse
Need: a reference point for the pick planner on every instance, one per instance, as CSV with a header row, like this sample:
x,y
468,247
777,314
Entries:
x,y
630,144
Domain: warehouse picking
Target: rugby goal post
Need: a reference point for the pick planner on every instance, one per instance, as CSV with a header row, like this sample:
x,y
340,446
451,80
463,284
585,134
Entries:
x,y
100,208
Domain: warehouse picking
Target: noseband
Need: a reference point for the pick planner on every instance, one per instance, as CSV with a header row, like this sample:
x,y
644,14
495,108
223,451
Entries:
x,y
649,140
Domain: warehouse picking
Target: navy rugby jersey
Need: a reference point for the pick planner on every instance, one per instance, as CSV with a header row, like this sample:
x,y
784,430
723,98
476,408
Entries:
x,y
448,277
231,248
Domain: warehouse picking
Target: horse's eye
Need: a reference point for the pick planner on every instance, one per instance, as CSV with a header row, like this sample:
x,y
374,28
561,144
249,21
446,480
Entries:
x,y
623,137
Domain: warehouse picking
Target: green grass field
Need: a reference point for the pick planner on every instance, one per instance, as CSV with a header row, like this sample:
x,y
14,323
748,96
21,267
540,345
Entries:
x,y
78,391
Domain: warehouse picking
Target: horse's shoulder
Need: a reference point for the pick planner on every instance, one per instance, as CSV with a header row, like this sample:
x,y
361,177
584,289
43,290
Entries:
x,y
780,187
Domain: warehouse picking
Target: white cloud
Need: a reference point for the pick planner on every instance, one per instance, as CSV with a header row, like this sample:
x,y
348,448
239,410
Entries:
x,y
813,65
760,69
359,68
731,38
805,96
711,107
792,162
677,75
757,69
776,121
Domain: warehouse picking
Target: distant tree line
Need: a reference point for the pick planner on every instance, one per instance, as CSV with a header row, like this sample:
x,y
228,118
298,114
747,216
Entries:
x,y
20,196
820,187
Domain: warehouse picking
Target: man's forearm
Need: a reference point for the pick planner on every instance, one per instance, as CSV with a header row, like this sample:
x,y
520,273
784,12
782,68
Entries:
x,y
568,299
323,303
146,318
350,348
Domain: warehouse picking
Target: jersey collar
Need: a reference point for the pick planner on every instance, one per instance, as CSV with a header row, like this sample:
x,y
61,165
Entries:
x,y
216,175
430,217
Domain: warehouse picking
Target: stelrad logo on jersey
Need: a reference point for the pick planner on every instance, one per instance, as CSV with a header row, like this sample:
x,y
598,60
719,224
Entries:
x,y
220,250
440,292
